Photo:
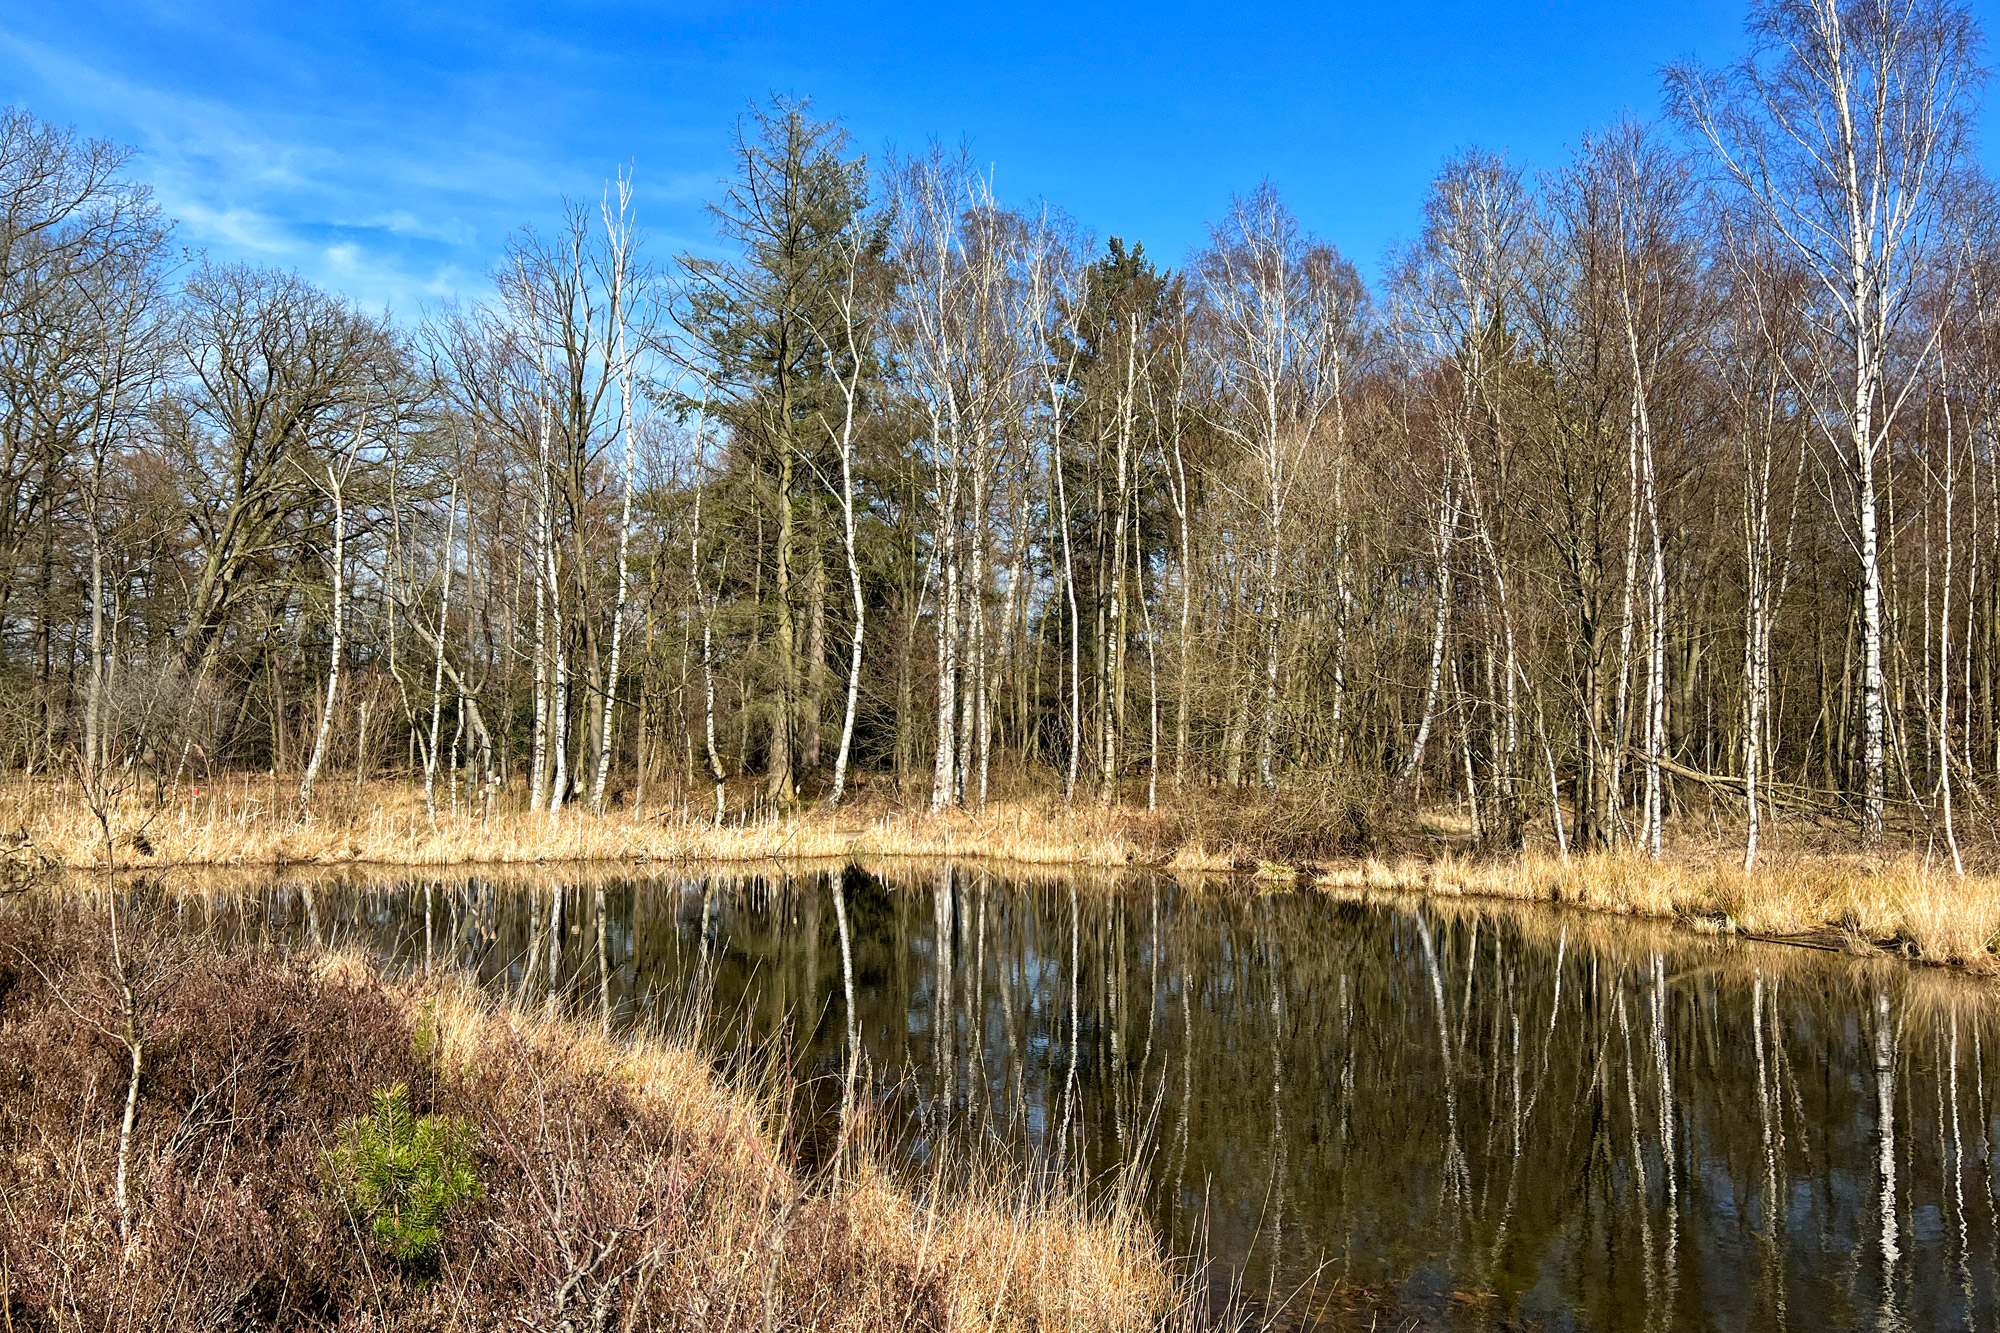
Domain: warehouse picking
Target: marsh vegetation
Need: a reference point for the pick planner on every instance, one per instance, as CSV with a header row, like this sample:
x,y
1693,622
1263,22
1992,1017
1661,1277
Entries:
x,y
317,1146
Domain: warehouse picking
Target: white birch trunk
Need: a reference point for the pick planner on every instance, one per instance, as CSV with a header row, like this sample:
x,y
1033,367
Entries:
x,y
437,669
850,391
1440,622
558,692
944,775
1114,635
544,594
1943,742
337,488
1075,626
620,233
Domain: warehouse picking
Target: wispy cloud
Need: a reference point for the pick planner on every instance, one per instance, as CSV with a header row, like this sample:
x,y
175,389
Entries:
x,y
390,204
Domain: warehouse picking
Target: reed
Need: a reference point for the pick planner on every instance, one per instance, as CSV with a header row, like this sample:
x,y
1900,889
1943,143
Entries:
x,y
1895,900
254,822
987,1251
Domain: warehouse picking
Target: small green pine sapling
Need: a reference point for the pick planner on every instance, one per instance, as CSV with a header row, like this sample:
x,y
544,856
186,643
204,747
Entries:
x,y
400,1173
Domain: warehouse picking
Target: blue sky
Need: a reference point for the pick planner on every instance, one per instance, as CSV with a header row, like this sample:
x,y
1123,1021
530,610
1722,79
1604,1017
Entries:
x,y
386,150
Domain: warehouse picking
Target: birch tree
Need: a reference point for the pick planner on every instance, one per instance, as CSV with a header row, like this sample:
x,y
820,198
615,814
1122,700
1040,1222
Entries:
x,y
628,292
1285,311
1845,131
946,332
849,347
337,474
1055,295
1454,290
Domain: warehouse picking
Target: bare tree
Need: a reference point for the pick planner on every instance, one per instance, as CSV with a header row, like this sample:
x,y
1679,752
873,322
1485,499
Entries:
x,y
1286,313
950,333
848,348
1844,131
628,284
1454,290
337,474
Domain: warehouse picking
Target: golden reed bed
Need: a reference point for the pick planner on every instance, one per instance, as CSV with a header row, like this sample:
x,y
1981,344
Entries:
x,y
1900,901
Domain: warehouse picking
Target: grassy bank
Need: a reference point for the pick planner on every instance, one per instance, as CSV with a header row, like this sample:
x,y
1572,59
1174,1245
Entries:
x,y
1896,903
613,1183
252,821
1811,888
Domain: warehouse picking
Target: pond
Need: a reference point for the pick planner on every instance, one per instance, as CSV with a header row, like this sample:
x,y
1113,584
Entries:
x,y
1362,1112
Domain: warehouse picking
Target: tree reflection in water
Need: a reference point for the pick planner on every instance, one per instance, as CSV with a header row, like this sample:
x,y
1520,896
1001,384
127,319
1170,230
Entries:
x,y
1491,1116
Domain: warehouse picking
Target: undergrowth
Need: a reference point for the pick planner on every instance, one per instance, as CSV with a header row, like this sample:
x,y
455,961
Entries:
x,y
490,1169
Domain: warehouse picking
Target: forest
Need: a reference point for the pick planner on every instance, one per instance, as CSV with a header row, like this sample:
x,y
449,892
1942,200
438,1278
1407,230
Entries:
x,y
1657,488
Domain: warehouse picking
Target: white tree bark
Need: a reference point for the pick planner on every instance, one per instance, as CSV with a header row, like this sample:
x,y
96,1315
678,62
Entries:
x,y
619,231
1846,132
1441,542
544,554
1074,768
1112,652
1942,744
850,391
437,671
336,485
1285,308
1055,304
1653,810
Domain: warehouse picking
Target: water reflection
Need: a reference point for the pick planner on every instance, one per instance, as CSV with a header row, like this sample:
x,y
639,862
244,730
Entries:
x,y
1479,1119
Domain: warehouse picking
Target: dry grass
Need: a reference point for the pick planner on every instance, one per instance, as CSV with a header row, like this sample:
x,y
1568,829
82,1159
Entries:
x,y
990,1255
253,822
1903,902
256,821
1635,943
1895,902
625,1184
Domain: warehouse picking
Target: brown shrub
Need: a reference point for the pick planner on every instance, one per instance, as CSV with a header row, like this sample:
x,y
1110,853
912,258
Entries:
x,y
1294,828
624,1186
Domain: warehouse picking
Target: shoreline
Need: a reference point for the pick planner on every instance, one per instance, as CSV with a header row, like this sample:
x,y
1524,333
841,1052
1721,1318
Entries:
x,y
1835,899
666,1169
1890,905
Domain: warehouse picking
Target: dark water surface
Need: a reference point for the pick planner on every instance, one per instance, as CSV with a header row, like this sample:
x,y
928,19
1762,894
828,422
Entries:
x,y
1418,1115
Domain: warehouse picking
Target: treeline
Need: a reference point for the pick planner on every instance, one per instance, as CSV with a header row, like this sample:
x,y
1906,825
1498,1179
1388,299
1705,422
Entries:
x,y
1665,480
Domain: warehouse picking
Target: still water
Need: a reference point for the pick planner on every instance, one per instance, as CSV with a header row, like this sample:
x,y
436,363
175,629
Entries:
x,y
1363,1113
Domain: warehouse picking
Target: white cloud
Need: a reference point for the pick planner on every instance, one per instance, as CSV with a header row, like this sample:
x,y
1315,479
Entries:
x,y
402,222
397,191
235,228
273,188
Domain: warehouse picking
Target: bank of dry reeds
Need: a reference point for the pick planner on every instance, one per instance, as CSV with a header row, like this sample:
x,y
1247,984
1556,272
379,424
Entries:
x,y
624,1184
252,821
1901,900
1898,902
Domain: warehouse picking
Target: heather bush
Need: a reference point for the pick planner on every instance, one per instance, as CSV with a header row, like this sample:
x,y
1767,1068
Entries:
x,y
516,1171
